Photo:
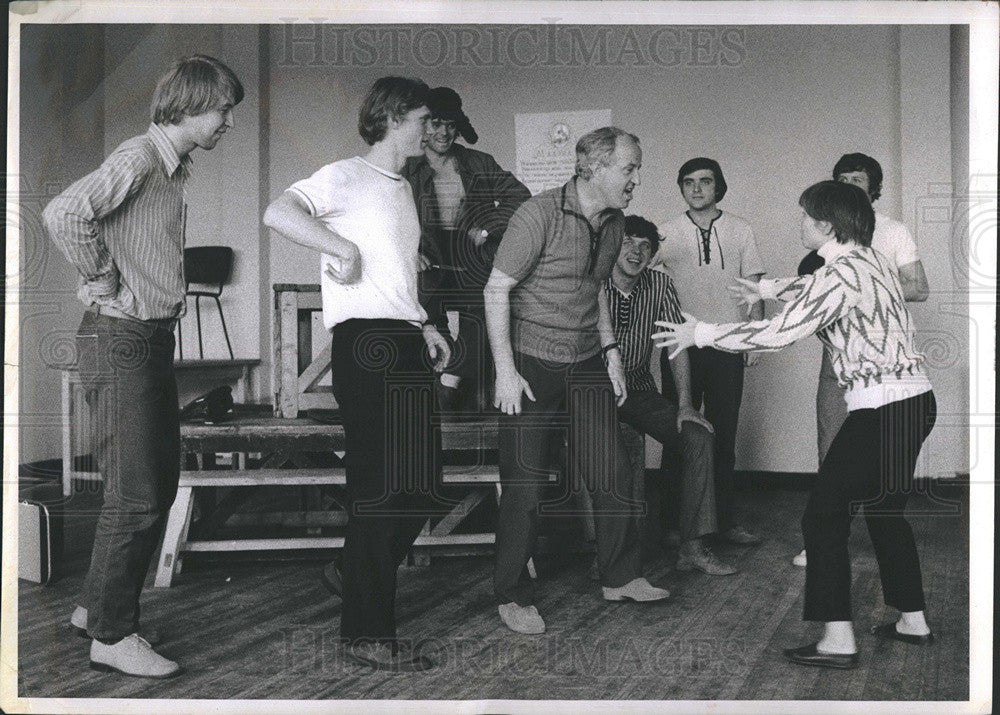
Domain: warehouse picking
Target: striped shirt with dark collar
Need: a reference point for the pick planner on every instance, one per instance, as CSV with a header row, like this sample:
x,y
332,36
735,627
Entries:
x,y
652,298
122,228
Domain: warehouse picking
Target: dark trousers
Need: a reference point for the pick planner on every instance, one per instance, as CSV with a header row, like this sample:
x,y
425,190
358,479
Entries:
x,y
870,464
653,414
127,370
471,359
461,291
383,384
716,381
575,402
831,407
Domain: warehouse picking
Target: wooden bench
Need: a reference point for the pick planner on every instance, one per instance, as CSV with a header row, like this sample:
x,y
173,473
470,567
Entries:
x,y
283,440
78,436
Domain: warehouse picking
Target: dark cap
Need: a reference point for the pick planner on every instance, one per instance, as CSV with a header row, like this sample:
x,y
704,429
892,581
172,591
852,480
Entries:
x,y
445,103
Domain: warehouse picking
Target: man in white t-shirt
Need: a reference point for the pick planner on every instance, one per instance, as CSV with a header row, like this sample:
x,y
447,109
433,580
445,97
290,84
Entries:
x,y
705,250
892,240
359,214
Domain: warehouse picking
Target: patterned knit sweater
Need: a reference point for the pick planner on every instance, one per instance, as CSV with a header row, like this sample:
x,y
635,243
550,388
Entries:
x,y
854,304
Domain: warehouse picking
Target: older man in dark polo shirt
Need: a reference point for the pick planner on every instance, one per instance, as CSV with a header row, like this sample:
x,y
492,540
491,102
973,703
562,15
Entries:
x,y
550,332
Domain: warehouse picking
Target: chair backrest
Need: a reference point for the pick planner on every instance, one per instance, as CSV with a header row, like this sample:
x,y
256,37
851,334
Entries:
x,y
208,265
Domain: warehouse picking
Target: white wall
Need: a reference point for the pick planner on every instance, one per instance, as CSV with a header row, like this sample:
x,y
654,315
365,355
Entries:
x,y
777,121
72,78
61,137
778,118
222,193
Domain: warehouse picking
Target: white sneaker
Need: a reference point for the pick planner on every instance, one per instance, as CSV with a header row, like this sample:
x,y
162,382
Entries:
x,y
638,589
79,622
131,655
521,619
800,559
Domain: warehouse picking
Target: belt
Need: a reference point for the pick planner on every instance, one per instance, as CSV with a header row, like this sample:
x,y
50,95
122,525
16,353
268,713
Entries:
x,y
108,311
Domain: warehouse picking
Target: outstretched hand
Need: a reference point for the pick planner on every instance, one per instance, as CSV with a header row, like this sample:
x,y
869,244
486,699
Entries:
x,y
746,292
678,336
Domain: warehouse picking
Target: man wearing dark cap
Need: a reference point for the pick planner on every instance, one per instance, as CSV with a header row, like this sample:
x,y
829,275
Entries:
x,y
464,200
705,250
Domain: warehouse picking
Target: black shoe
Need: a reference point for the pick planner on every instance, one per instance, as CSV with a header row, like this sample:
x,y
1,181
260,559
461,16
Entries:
x,y
888,630
385,656
330,576
808,655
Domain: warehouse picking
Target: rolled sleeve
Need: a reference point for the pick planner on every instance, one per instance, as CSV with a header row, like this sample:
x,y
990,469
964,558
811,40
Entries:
x,y
322,191
906,250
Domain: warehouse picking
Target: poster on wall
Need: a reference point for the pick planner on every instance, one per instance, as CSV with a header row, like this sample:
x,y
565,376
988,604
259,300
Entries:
x,y
546,143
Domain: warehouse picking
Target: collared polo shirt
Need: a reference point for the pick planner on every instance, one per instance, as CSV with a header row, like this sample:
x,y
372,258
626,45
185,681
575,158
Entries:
x,y
560,263
122,228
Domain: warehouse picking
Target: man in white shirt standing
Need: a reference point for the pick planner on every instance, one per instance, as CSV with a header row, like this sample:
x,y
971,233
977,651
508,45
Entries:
x,y
892,240
359,214
705,250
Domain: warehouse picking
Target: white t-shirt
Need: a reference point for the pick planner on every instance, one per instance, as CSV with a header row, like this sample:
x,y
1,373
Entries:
x,y
893,240
702,281
373,208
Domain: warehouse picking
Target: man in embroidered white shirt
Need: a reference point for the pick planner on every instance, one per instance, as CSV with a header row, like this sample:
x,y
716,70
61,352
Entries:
x,y
705,250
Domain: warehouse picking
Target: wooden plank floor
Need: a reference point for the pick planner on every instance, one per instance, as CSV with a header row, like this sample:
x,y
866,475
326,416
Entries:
x,y
267,629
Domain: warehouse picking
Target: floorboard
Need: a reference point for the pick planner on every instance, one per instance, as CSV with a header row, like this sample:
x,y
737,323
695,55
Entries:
x,y
264,627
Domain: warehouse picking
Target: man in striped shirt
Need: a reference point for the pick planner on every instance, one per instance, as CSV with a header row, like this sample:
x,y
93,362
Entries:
x,y
636,298
122,228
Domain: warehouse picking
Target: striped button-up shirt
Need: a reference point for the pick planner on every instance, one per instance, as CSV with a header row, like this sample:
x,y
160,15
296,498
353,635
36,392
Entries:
x,y
652,298
122,228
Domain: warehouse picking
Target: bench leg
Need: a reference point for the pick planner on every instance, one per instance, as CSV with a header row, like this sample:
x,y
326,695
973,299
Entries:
x,y
175,534
531,562
422,556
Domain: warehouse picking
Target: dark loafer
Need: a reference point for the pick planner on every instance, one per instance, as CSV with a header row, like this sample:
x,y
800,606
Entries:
x,y
330,576
888,630
808,655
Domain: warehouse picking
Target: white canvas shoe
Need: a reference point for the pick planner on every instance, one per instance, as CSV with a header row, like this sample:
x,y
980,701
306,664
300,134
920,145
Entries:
x,y
521,619
638,589
131,655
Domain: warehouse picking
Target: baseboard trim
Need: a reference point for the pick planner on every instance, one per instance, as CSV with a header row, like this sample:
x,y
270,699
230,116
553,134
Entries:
x,y
951,485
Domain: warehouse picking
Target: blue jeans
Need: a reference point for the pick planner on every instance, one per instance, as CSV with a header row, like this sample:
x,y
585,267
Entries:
x,y
127,370
691,486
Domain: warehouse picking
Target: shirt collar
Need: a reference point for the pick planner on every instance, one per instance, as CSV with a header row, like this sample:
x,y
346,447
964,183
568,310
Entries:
x,y
834,249
640,284
166,149
570,203
379,169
